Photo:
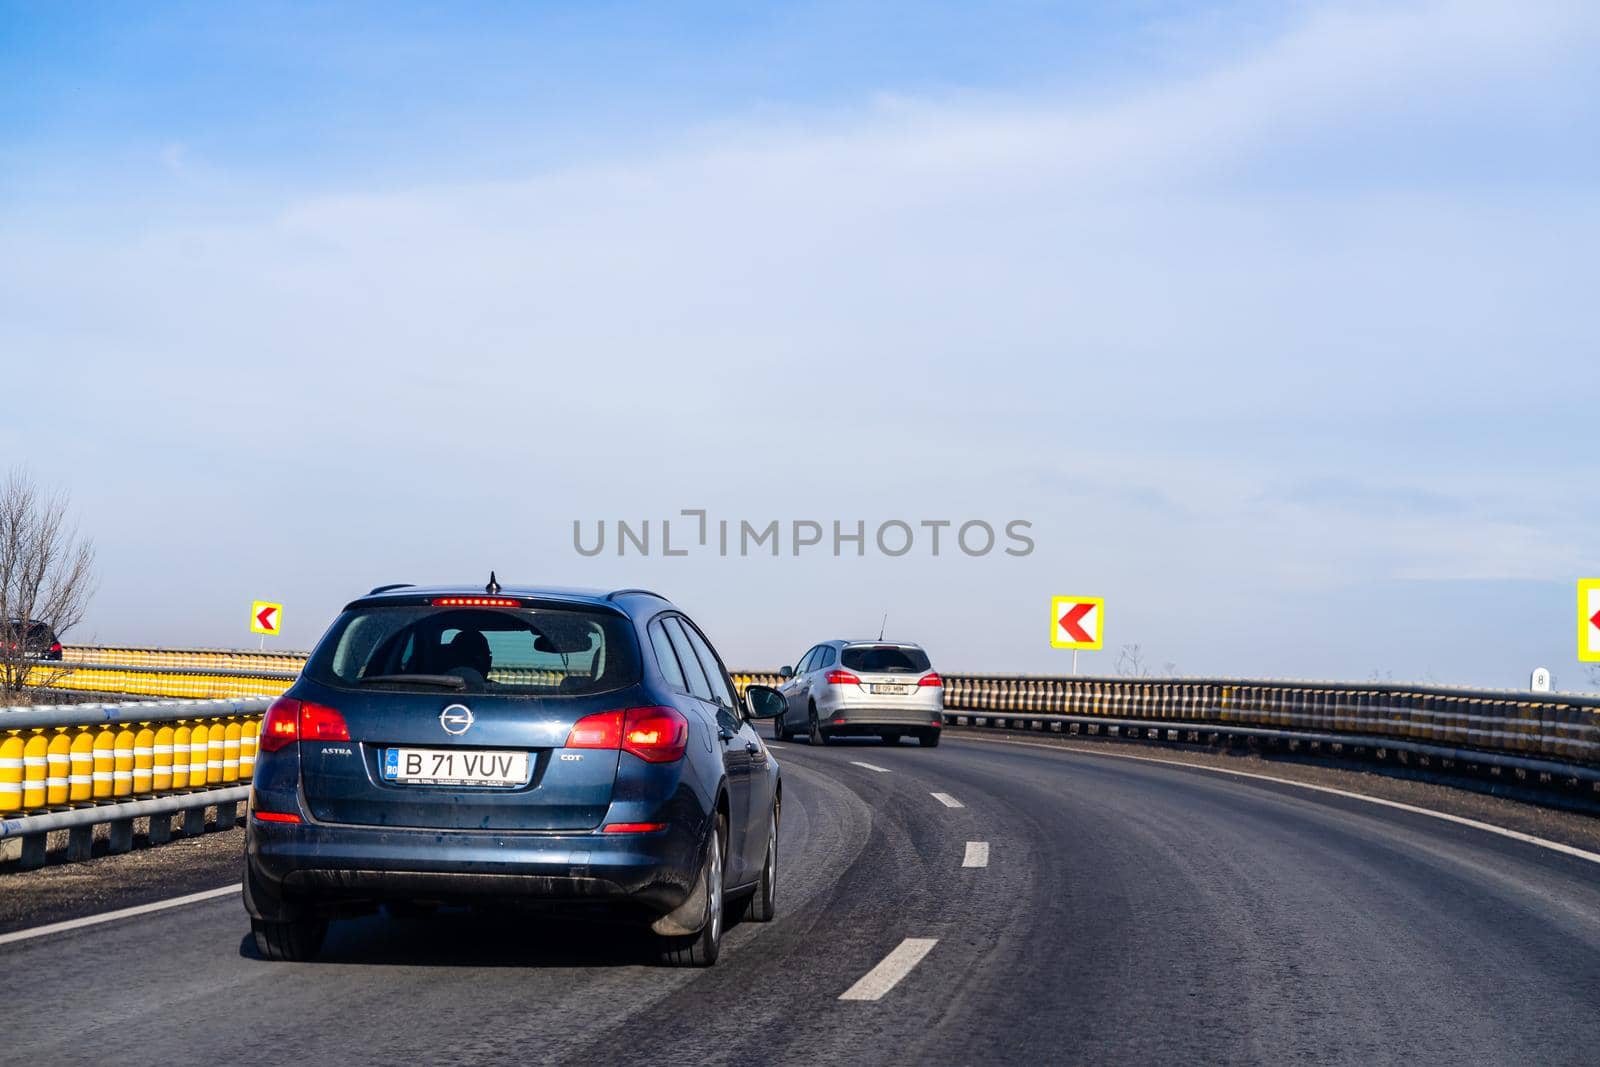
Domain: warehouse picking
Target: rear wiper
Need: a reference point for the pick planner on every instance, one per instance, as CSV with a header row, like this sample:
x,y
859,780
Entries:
x,y
447,681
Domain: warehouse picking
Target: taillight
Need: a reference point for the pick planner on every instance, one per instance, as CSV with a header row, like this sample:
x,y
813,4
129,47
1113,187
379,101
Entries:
x,y
56,647
318,723
842,678
931,678
633,827
475,602
281,727
275,816
603,730
655,735
289,720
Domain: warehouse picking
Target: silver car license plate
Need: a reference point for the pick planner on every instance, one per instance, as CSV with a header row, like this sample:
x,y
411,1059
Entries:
x,y
448,766
889,688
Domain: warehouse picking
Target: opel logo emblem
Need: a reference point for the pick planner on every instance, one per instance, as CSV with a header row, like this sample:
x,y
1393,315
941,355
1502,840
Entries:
x,y
456,719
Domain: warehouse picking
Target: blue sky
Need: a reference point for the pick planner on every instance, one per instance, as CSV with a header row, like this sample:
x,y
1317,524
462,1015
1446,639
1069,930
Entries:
x,y
1276,320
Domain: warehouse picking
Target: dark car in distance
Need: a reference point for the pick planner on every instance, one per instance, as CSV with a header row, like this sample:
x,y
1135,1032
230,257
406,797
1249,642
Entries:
x,y
34,639
559,748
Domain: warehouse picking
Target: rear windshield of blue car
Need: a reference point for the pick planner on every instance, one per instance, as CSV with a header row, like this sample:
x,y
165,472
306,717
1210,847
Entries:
x,y
884,659
531,651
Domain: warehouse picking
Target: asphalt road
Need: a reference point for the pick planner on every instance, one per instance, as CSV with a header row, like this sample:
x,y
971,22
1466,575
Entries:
x,y
1129,912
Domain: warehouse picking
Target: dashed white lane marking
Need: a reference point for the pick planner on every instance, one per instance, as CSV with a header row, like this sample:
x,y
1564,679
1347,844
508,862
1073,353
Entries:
x,y
977,854
895,966
112,916
870,766
948,801
1515,835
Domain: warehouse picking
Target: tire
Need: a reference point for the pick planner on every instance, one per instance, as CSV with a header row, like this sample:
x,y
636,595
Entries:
x,y
701,949
780,728
817,737
290,941
929,738
763,904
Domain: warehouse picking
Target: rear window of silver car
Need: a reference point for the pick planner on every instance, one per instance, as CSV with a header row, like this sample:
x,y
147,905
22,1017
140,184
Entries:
x,y
515,651
884,659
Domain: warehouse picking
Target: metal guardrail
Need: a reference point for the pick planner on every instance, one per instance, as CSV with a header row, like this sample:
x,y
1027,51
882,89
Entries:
x,y
76,765
1556,727
1335,744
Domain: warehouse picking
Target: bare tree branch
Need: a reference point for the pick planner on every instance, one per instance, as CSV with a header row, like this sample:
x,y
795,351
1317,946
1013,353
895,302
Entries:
x,y
46,577
1130,662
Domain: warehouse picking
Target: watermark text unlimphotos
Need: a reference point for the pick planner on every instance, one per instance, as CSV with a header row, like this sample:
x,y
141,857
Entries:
x,y
694,531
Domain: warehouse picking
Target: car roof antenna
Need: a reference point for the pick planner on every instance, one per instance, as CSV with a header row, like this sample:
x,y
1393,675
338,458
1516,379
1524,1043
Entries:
x,y
493,587
884,626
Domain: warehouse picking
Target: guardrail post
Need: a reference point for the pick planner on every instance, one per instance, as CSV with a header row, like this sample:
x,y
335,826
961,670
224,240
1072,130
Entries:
x,y
32,857
80,840
194,821
160,829
121,836
227,815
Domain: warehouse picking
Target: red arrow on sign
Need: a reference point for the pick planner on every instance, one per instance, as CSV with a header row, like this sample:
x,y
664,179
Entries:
x,y
264,617
1594,619
1069,623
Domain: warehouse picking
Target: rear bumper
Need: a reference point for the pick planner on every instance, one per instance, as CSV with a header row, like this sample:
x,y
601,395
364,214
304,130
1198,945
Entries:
x,y
875,717
320,863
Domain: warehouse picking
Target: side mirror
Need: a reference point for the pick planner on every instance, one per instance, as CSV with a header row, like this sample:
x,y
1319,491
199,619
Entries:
x,y
786,673
765,702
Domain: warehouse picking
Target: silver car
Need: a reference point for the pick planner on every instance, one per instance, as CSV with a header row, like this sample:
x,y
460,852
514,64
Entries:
x,y
882,688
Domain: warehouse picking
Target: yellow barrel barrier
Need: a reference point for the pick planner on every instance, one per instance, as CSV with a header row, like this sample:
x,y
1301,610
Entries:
x,y
161,758
216,746
249,735
11,748
230,751
72,767
144,752
104,761
58,755
198,749
35,770
80,780
122,768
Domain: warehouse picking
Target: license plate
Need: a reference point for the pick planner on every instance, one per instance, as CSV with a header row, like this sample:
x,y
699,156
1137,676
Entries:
x,y
452,766
897,690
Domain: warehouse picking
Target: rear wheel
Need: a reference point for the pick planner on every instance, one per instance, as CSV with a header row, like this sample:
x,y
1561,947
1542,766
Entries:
x,y
780,728
929,739
763,904
288,941
701,949
816,728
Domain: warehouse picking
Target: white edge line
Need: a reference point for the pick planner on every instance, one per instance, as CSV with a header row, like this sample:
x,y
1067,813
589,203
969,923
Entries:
x,y
947,800
1515,835
893,967
112,916
870,766
977,854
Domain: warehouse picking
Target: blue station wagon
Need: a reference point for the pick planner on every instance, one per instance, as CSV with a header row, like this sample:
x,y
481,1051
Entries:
x,y
538,746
